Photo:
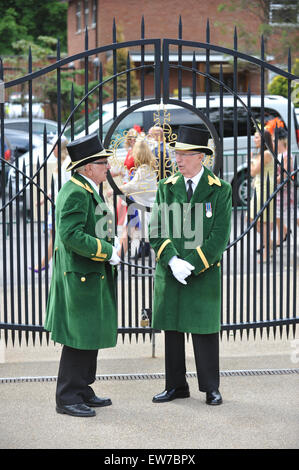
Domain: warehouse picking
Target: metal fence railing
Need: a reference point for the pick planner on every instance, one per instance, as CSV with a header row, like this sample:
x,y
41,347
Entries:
x,y
256,295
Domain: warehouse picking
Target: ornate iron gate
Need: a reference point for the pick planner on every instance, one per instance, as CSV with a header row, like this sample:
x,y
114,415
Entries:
x,y
255,295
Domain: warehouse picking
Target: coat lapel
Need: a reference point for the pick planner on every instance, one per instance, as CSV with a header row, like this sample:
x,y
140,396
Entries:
x,y
203,189
177,187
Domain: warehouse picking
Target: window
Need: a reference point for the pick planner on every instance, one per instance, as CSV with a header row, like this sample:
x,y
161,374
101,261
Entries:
x,y
22,126
78,17
86,13
284,13
228,119
94,13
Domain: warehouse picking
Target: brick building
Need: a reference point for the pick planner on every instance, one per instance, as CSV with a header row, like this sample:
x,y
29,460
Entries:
x,y
161,20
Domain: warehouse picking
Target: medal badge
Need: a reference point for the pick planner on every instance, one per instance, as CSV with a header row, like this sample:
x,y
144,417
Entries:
x,y
208,210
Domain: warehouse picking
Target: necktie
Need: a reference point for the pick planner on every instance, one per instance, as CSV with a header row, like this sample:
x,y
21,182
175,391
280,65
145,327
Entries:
x,y
190,190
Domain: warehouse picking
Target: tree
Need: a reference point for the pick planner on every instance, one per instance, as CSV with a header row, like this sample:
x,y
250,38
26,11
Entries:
x,y
278,38
46,87
121,64
30,19
279,85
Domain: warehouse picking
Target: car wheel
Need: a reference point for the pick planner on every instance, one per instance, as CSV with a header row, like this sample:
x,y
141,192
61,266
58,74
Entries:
x,y
240,189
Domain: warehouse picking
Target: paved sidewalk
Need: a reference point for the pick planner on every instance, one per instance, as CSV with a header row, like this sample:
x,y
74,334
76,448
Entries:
x,y
259,411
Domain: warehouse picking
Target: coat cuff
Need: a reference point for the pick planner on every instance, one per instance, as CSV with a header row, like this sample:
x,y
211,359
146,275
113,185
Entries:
x,y
103,252
165,252
198,259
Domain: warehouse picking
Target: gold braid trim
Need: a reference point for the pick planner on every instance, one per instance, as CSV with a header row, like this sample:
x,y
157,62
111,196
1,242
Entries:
x,y
164,244
203,258
99,256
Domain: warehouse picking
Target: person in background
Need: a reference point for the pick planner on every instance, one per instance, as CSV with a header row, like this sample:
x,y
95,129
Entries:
x,y
282,153
131,138
258,185
142,188
160,149
125,172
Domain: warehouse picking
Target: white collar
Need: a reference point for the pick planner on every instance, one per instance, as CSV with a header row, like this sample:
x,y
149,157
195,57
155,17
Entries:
x,y
91,182
195,179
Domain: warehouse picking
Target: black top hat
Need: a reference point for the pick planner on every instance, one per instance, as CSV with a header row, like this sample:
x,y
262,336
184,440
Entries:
x,y
86,150
192,138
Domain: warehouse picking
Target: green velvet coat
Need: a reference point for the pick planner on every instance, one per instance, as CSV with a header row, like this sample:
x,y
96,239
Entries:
x,y
81,308
195,307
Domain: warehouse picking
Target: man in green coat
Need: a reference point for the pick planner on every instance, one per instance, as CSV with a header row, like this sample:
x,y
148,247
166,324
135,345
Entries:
x,y
189,230
81,308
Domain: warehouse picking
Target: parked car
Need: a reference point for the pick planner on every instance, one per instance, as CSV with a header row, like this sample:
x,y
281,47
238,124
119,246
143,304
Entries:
x,y
7,156
79,124
24,166
38,125
274,107
20,142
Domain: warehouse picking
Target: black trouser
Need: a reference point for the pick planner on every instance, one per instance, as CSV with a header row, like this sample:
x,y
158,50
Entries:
x,y
206,353
77,370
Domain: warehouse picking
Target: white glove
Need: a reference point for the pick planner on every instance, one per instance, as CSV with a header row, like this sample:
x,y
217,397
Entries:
x,y
180,269
115,259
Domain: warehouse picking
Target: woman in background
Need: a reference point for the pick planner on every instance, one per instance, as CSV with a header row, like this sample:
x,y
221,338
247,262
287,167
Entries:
x,y
261,186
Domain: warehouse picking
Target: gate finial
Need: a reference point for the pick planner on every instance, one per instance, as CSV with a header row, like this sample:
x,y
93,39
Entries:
x,y
208,31
114,31
142,28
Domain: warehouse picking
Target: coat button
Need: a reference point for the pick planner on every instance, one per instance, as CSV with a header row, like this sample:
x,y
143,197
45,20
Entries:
x,y
64,273
102,277
83,279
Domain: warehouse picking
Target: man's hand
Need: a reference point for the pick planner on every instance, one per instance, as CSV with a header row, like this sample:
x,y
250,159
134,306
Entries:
x,y
180,269
115,259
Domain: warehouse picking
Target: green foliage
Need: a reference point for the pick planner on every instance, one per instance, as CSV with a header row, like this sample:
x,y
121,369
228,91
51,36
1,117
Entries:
x,y
277,39
279,85
46,87
10,30
29,19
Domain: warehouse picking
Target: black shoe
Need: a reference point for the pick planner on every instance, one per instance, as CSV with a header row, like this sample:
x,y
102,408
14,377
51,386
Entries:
x,y
287,235
96,401
214,398
172,394
80,410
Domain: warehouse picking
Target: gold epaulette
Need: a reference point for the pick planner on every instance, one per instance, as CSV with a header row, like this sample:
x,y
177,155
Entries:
x,y
172,179
214,180
85,186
